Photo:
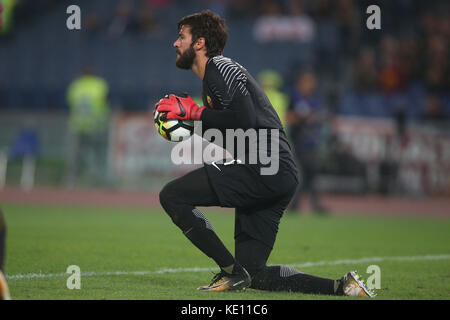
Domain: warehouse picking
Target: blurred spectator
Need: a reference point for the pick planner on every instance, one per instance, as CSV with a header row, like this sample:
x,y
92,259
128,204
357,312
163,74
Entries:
x,y
365,74
388,169
92,23
346,17
410,58
305,118
7,16
1,14
88,127
26,142
392,77
271,82
270,8
433,109
26,148
445,25
430,23
242,9
146,20
123,21
344,160
437,66
320,10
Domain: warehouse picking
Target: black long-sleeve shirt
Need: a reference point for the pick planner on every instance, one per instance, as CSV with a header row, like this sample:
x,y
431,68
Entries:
x,y
234,100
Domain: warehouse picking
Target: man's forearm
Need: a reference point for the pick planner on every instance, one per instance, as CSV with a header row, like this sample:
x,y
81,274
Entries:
x,y
241,115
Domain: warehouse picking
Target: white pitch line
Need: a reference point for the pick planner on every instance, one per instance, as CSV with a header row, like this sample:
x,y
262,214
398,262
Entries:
x,y
196,269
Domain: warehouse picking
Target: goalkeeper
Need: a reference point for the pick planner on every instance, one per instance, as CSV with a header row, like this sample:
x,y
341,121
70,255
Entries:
x,y
234,100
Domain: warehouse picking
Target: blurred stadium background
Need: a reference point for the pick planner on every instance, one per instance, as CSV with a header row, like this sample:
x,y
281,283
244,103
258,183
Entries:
x,y
385,94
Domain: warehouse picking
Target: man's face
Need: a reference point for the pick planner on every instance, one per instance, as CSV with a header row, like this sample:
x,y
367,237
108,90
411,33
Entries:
x,y
184,49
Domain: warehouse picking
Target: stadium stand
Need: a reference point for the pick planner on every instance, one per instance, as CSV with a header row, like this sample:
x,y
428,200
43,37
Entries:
x,y
41,56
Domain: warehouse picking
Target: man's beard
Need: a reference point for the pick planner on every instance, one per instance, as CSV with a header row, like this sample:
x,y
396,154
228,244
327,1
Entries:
x,y
186,60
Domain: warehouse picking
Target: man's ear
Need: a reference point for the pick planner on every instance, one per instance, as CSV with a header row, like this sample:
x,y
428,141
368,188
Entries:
x,y
200,44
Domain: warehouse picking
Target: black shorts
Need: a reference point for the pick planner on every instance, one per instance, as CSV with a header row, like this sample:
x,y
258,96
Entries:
x,y
259,200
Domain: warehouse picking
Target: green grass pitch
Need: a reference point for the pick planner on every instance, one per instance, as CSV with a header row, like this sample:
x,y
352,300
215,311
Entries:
x,y
111,245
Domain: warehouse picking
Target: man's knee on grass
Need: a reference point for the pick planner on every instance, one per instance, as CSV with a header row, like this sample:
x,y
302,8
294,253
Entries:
x,y
169,201
180,213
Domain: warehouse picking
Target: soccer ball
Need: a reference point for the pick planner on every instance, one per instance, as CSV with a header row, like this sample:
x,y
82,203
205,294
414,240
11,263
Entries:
x,y
174,130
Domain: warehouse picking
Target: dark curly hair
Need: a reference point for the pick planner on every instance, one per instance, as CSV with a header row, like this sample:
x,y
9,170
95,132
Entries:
x,y
206,24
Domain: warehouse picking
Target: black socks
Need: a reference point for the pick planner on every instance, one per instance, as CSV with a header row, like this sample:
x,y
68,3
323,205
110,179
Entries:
x,y
202,235
283,278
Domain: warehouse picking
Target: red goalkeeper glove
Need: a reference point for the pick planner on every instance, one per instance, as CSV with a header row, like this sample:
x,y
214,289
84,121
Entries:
x,y
178,107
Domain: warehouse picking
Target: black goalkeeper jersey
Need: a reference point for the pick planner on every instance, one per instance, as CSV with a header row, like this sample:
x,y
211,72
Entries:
x,y
234,100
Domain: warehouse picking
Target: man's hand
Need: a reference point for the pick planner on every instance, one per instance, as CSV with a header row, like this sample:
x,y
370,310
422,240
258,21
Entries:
x,y
176,107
